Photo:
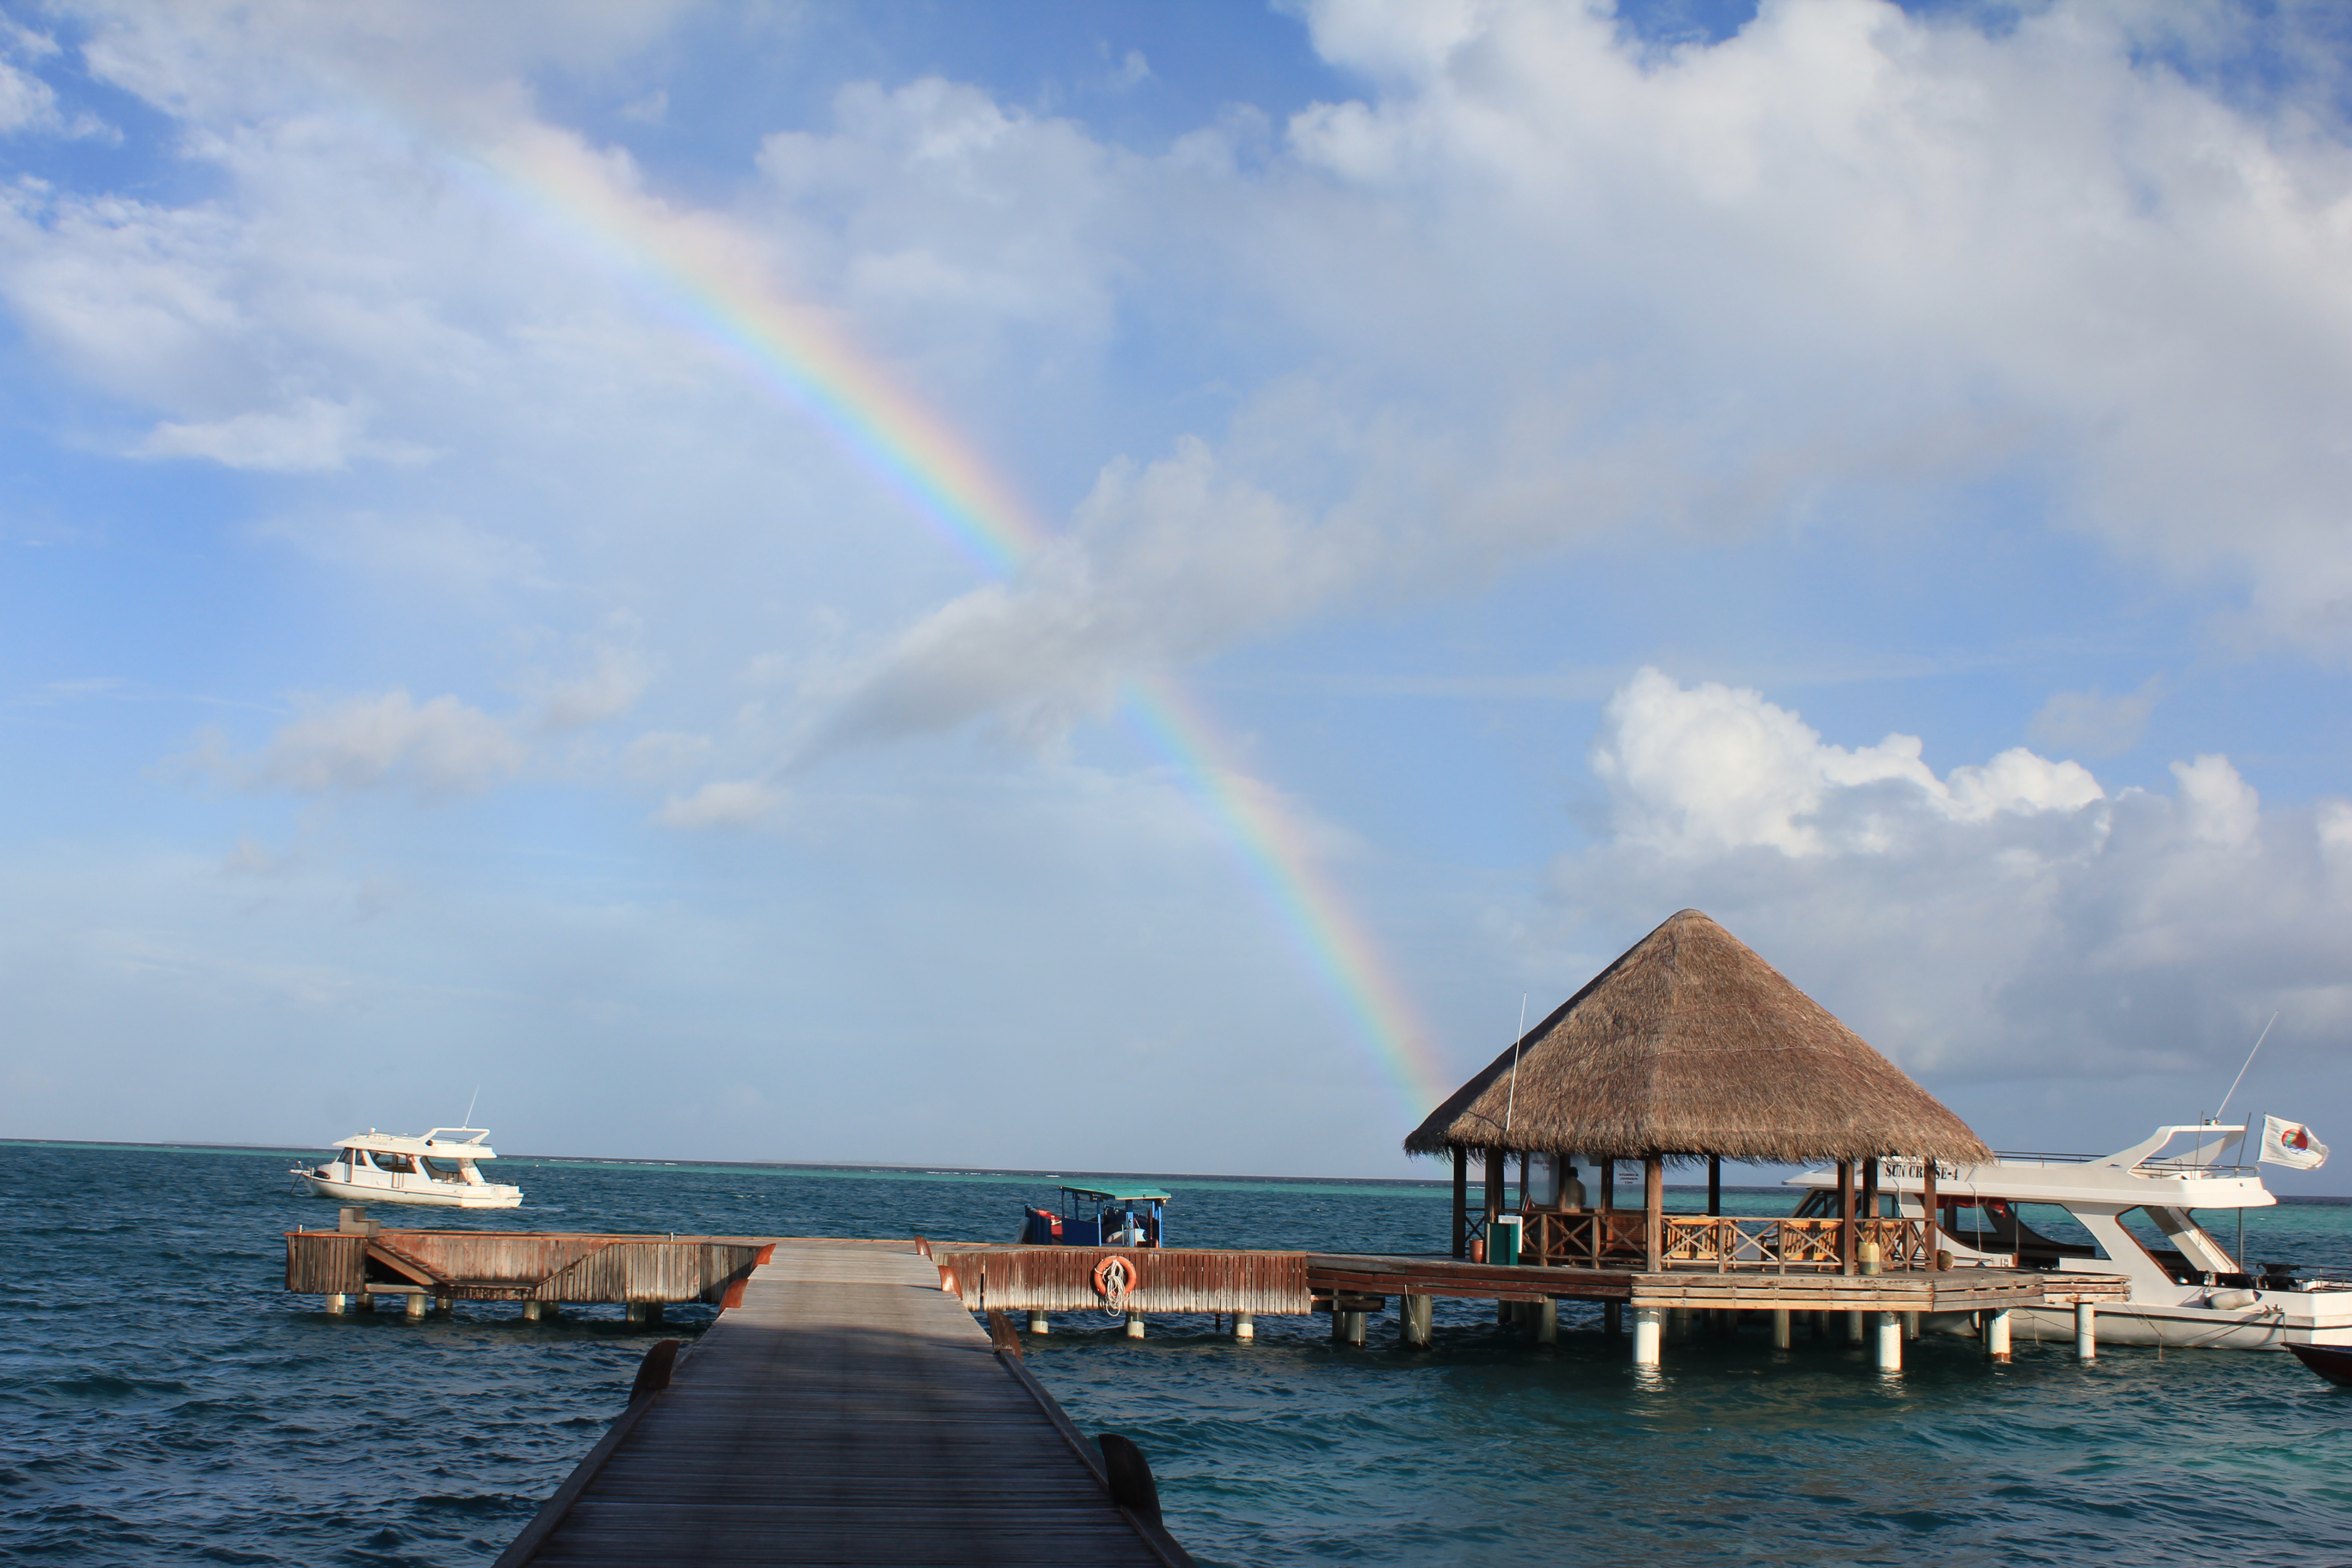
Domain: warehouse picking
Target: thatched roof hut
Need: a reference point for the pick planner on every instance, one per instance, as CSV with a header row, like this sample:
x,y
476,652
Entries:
x,y
1688,1047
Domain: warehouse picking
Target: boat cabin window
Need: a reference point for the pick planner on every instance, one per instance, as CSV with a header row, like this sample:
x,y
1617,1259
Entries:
x,y
396,1163
442,1170
2046,1232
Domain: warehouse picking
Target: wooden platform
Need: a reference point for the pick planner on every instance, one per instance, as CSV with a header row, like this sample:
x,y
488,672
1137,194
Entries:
x,y
847,1411
1912,1290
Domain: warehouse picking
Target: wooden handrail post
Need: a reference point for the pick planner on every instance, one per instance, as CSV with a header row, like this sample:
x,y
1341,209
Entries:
x,y
1653,1211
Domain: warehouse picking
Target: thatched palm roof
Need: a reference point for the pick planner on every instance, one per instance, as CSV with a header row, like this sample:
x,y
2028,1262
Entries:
x,y
1689,1045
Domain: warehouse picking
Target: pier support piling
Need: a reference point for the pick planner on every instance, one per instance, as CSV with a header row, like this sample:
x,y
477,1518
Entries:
x,y
2086,1331
1910,1325
1613,1317
1854,1330
1244,1325
1780,1334
1649,1330
365,1302
1996,1336
445,1305
633,1312
1543,1325
1414,1321
416,1303
1890,1341
1135,1325
531,1310
1037,1324
335,1304
1678,1326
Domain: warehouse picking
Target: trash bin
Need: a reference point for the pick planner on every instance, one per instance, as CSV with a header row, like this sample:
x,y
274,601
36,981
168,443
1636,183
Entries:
x,y
1505,1248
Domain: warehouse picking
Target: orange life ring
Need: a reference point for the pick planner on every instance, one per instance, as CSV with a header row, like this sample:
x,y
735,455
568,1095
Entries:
x,y
1107,1265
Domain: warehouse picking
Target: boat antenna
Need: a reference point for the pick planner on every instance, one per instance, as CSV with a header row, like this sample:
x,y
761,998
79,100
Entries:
x,y
2242,1071
470,1104
1512,1097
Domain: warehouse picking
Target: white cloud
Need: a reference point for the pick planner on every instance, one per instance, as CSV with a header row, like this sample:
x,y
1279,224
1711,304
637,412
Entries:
x,y
617,679
312,436
724,803
2094,723
439,748
1710,769
2011,920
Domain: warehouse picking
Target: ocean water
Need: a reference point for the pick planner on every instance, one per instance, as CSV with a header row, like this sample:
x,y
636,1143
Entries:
x,y
163,1400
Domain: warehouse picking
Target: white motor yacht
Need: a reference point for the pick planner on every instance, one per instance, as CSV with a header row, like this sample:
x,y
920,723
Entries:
x,y
2134,1212
439,1170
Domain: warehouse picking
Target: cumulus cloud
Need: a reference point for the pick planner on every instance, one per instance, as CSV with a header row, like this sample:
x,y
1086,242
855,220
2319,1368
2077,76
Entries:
x,y
439,748
2011,919
617,676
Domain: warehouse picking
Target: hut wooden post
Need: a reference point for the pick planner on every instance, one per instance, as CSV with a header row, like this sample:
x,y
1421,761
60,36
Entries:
x,y
1714,1185
1653,1212
1524,1157
1845,1216
1929,1239
1608,1186
1497,1173
1461,1202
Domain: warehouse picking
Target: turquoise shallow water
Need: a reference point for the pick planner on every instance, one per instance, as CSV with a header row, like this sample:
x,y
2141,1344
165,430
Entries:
x,y
162,1401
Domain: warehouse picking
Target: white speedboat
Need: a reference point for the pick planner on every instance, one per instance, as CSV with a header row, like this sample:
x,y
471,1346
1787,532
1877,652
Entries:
x,y
2134,1212
439,1170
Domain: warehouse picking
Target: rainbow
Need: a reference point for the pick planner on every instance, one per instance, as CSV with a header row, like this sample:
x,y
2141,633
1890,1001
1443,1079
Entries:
x,y
703,274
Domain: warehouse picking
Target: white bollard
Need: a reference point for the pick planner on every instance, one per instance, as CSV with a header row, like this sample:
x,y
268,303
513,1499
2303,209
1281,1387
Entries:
x,y
1649,1330
1996,1335
1781,1335
1037,1324
1245,1325
2086,1331
1890,1341
1135,1325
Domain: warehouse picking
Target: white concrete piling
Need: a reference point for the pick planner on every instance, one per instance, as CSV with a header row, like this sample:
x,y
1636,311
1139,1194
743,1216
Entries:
x,y
1038,1323
1911,1325
1135,1325
1649,1332
1781,1334
531,1310
1996,1336
1244,1326
1544,1328
1890,1341
335,1304
416,1303
1414,1321
2086,1331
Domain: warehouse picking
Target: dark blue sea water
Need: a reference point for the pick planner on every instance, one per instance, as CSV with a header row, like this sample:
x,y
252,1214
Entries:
x,y
162,1400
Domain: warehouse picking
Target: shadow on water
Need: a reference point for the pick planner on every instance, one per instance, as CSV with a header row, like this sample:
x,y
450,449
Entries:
x,y
163,1400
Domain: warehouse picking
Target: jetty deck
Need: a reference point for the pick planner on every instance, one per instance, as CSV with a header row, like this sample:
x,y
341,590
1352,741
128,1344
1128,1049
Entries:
x,y
843,1409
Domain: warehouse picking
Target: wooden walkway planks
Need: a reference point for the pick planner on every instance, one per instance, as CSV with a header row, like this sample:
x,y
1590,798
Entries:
x,y
847,1412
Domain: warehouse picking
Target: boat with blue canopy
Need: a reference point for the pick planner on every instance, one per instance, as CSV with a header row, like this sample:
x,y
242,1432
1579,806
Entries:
x,y
1098,1217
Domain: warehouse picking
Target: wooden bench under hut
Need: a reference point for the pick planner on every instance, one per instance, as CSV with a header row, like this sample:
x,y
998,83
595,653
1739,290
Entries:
x,y
1691,1050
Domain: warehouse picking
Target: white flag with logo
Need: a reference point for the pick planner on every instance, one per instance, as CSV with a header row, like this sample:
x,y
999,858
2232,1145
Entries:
x,y
2288,1142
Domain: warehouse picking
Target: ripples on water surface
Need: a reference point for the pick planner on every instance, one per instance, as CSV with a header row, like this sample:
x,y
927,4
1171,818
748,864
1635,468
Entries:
x,y
162,1400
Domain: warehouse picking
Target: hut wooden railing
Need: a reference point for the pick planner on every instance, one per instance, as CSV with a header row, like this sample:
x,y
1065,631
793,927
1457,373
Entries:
x,y
1592,1238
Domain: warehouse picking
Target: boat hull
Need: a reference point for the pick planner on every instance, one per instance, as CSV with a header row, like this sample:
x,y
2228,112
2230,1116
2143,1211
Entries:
x,y
487,1197
2333,1364
2261,1327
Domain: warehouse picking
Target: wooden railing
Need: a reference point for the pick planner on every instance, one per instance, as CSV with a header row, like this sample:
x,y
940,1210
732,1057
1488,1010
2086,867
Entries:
x,y
1590,1238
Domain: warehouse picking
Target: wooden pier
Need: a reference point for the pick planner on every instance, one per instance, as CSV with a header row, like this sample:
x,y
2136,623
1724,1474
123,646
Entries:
x,y
845,1410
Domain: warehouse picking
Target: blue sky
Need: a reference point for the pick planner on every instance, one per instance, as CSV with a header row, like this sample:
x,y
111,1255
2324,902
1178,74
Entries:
x,y
1875,475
